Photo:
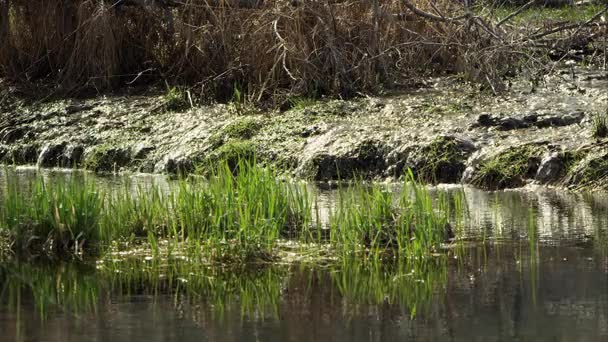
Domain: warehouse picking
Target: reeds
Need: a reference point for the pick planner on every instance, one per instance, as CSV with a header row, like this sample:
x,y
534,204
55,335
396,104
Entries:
x,y
55,217
371,219
263,50
237,214
599,128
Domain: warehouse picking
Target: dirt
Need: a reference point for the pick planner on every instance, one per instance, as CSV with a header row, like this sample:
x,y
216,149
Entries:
x,y
446,132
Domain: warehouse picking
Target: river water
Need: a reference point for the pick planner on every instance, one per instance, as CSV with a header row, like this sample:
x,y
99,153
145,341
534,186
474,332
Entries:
x,y
532,266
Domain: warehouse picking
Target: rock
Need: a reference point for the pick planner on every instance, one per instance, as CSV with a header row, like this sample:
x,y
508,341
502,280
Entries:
x,y
72,156
550,169
441,161
10,136
467,175
560,120
75,108
396,160
141,151
50,155
521,121
22,154
332,157
510,123
106,159
3,151
485,120
174,163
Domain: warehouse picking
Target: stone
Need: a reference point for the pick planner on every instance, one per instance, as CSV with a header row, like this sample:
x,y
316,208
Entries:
x,y
331,156
174,163
141,151
106,158
50,155
441,161
550,169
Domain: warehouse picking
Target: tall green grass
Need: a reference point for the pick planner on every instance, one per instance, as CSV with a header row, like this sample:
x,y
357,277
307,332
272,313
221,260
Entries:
x,y
54,217
242,211
236,214
372,219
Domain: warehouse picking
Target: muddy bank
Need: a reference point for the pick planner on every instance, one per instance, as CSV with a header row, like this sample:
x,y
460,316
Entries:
x,y
446,132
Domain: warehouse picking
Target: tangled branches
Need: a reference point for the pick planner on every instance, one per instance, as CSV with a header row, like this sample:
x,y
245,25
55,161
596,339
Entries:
x,y
268,49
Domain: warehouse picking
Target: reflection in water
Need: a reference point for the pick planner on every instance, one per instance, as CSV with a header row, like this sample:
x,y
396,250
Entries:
x,y
489,293
536,271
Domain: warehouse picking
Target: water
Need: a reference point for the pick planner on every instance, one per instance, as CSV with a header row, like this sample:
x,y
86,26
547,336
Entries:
x,y
533,267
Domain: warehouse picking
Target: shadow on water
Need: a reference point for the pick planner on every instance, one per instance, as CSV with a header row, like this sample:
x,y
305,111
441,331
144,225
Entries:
x,y
530,265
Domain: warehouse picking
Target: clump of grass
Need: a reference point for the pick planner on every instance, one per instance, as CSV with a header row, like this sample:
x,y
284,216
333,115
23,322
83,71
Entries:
x,y
54,217
241,211
135,213
236,214
372,219
301,102
592,173
599,128
230,153
443,160
176,99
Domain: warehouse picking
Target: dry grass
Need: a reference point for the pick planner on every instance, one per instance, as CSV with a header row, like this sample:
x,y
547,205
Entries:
x,y
266,49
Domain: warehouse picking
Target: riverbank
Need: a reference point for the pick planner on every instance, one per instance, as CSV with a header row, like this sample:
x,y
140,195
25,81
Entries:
x,y
446,131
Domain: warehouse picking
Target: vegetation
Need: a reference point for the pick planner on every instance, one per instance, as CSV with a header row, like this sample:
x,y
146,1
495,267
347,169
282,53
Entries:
x,y
509,168
177,99
264,50
52,218
237,213
371,219
443,160
600,125
244,128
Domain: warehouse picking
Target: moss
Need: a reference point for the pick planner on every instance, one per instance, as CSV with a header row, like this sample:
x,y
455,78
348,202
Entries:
x,y
571,159
509,168
244,128
230,153
105,158
442,161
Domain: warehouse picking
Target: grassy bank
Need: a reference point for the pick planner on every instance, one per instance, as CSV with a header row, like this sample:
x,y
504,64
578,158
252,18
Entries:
x,y
235,215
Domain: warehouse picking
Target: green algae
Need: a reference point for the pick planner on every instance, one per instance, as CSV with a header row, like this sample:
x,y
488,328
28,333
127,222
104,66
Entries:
x,y
509,168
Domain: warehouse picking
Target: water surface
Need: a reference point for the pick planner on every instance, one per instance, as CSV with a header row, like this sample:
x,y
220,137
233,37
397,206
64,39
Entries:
x,y
532,266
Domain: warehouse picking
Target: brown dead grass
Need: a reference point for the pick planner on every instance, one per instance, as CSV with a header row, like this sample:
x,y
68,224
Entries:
x,y
267,49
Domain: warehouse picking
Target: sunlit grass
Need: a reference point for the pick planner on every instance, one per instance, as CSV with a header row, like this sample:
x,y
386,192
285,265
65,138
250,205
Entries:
x,y
53,217
237,214
371,218
535,15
